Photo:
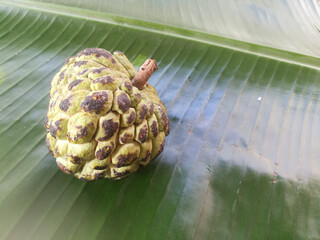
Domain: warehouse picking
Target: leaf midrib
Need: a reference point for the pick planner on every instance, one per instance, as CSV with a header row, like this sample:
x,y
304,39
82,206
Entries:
x,y
177,32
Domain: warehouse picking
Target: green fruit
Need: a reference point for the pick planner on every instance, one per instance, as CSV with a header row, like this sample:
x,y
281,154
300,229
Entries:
x,y
104,120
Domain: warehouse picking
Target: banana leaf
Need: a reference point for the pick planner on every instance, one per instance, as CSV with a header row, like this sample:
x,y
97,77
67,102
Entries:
x,y
240,80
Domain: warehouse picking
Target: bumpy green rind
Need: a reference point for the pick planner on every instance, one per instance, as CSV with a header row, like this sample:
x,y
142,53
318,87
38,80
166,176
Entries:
x,y
99,125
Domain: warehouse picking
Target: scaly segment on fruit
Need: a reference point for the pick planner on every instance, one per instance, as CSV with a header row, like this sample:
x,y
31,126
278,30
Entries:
x,y
104,120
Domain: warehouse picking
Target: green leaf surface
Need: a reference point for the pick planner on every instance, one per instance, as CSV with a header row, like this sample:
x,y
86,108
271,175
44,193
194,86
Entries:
x,y
241,161
285,24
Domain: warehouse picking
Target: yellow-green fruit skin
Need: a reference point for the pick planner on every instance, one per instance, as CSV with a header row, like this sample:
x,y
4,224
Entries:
x,y
98,124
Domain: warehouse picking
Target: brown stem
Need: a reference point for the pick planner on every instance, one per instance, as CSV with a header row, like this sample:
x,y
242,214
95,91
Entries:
x,y
144,73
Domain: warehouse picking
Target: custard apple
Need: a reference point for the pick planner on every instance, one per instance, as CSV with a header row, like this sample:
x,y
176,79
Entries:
x,y
104,120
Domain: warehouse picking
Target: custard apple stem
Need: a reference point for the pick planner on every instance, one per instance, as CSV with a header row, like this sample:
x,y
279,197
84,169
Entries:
x,y
144,73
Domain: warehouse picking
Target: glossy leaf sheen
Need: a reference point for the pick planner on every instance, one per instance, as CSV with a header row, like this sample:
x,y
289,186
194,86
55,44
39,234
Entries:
x,y
241,161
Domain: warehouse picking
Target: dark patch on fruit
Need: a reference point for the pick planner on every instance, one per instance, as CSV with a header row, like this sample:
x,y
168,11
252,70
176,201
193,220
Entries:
x,y
91,125
123,102
61,76
144,159
143,134
104,80
143,112
164,121
70,60
126,159
126,138
109,128
49,147
82,72
128,85
151,108
137,95
98,70
103,153
121,174
161,148
82,133
46,121
54,93
95,51
100,167
94,102
131,117
64,169
80,63
54,128
119,53
65,104
99,175
166,125
113,61
74,83
67,61
56,151
154,128
75,159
